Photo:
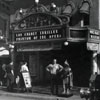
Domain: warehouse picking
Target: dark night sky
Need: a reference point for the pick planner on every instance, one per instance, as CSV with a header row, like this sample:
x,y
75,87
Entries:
x,y
28,3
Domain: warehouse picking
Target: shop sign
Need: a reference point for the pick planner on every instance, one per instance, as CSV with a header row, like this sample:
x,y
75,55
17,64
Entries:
x,y
93,46
94,35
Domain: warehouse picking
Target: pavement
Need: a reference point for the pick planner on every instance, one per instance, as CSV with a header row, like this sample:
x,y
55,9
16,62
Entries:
x,y
40,93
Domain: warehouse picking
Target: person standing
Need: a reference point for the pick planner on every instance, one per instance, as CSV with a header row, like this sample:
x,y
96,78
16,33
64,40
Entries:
x,y
4,74
10,76
67,78
54,69
23,68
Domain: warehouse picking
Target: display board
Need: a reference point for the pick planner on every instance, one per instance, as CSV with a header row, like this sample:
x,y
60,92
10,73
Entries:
x,y
27,79
94,36
40,34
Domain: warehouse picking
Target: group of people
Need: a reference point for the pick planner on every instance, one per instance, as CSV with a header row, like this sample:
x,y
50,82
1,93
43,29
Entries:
x,y
20,79
9,77
58,72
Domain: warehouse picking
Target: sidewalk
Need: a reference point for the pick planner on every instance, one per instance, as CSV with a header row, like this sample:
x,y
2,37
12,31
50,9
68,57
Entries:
x,y
40,93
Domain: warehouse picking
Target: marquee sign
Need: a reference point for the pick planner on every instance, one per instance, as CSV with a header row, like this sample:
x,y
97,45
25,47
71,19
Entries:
x,y
37,34
39,27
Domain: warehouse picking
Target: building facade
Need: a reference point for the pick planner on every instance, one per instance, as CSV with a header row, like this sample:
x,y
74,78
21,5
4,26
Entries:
x,y
4,32
41,33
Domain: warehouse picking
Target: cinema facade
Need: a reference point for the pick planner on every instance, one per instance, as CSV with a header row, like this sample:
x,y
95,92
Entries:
x,y
41,33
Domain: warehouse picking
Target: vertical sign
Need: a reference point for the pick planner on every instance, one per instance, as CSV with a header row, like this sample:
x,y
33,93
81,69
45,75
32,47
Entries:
x,y
27,79
94,36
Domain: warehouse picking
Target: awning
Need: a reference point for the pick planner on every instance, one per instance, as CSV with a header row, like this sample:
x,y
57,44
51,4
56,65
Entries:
x,y
4,51
85,7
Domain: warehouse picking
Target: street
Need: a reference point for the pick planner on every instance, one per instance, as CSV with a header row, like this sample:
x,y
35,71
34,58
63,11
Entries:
x,y
8,97
39,93
2,97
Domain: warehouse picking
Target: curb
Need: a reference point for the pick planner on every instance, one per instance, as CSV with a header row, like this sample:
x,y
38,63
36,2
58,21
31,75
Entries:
x,y
33,96
36,96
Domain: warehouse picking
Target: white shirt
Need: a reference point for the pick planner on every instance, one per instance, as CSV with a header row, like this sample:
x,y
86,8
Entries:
x,y
24,68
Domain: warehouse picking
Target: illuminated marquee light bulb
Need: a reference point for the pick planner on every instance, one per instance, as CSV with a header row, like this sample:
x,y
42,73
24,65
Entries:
x,y
66,43
37,1
21,10
53,5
